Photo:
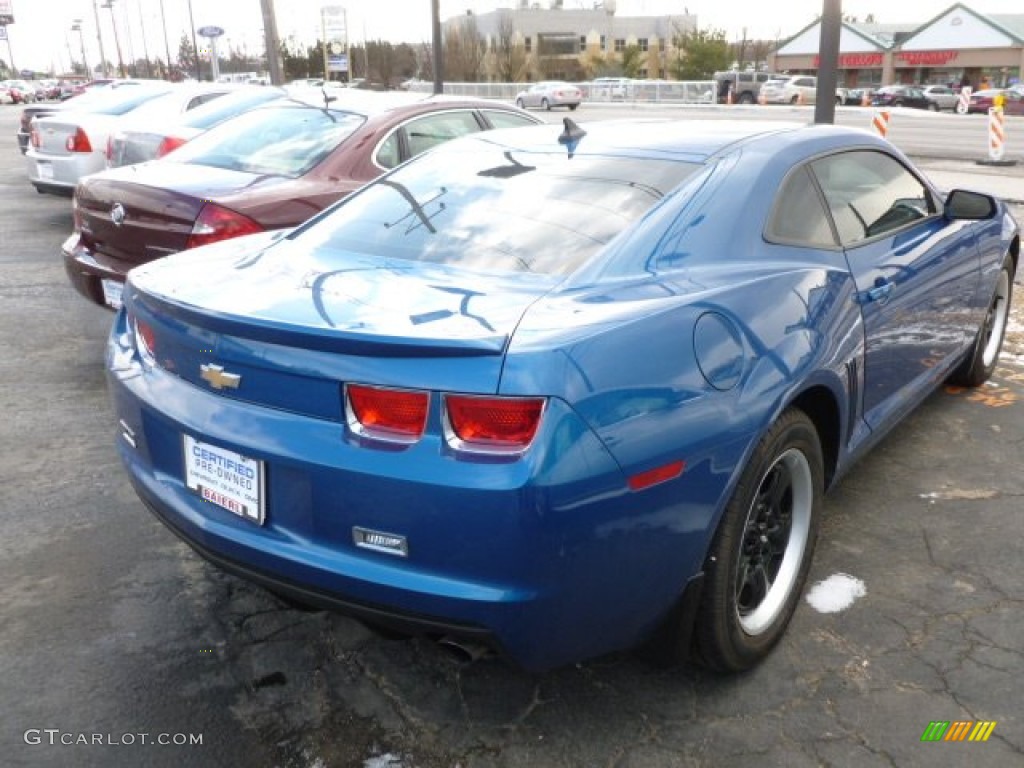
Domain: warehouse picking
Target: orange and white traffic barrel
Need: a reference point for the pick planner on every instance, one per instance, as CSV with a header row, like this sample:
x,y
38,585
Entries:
x,y
963,102
996,133
880,122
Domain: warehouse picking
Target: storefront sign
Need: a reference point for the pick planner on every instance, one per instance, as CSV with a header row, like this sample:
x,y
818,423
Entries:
x,y
926,58
855,60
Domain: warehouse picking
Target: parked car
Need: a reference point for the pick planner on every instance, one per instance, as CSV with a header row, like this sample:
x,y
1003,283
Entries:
x,y
548,94
6,97
72,143
88,101
542,389
21,91
944,96
610,88
745,85
798,89
139,141
903,96
855,96
268,168
982,101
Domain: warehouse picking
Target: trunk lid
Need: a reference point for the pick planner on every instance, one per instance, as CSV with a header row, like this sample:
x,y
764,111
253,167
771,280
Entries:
x,y
159,201
295,325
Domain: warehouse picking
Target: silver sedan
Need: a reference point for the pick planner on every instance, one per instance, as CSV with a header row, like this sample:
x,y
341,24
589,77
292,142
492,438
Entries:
x,y
548,94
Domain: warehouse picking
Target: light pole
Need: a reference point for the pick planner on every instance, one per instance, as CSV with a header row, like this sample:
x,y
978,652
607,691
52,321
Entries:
x,y
167,43
109,5
195,45
145,48
99,39
76,26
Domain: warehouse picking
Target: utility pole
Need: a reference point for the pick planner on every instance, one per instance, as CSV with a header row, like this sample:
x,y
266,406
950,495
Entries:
x,y
99,39
271,42
828,58
435,18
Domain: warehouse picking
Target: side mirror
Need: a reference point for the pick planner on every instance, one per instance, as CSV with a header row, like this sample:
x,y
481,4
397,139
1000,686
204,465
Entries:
x,y
962,204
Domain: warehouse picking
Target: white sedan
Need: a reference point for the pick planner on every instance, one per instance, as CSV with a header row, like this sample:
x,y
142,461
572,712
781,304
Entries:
x,y
548,94
71,144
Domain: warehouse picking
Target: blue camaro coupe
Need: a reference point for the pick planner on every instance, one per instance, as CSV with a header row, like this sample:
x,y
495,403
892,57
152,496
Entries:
x,y
559,391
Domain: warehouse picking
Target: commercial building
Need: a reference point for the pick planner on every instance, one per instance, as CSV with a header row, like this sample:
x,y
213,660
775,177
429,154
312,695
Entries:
x,y
554,42
961,46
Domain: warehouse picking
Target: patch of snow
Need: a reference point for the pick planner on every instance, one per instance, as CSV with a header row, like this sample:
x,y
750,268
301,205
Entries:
x,y
387,760
836,593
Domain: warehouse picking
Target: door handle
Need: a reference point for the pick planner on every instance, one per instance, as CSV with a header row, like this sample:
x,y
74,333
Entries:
x,y
881,290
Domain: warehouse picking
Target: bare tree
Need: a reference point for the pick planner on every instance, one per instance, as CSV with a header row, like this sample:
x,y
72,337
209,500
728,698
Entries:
x,y
463,50
509,56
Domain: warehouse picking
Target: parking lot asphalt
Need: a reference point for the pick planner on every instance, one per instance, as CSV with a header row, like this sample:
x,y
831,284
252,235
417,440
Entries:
x,y
112,629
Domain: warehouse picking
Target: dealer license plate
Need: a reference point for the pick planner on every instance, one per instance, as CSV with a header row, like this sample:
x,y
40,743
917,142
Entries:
x,y
225,478
112,290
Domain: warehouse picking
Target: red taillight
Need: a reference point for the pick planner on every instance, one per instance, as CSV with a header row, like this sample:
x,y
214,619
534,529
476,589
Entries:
x,y
396,414
145,340
79,142
169,144
217,223
35,138
499,424
110,149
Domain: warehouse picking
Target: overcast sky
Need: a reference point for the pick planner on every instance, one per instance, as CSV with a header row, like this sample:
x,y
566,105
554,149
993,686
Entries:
x,y
41,36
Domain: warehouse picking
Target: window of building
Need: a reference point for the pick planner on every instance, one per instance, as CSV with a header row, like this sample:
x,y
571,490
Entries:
x,y
604,42
583,42
661,43
642,43
620,45
528,44
642,73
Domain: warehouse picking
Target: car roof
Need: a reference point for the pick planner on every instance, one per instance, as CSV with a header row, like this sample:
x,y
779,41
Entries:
x,y
370,103
692,141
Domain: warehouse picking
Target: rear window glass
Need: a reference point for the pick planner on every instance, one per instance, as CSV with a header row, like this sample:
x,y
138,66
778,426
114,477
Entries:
x,y
478,205
280,141
133,97
230,105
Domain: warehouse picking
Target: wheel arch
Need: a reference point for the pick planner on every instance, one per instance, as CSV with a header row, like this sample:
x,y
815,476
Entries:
x,y
822,408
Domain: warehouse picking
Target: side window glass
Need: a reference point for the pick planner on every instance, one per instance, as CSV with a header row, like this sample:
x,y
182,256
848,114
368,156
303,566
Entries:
x,y
426,132
388,154
870,194
798,217
507,119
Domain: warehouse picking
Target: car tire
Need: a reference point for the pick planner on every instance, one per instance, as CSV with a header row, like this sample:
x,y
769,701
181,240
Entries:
x,y
839,101
761,553
746,98
520,104
933,107
545,104
795,100
572,107
981,363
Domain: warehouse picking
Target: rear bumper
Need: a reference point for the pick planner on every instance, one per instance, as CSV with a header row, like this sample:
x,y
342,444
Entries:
x,y
87,272
549,558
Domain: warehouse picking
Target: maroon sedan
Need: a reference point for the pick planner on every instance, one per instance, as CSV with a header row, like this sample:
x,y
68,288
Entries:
x,y
269,168
1012,98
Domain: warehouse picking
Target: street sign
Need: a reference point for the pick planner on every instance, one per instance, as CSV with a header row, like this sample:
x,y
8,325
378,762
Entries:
x,y
208,31
337,63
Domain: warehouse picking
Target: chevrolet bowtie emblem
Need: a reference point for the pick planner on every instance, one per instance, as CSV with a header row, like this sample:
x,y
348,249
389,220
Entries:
x,y
216,377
